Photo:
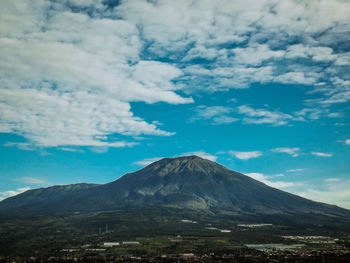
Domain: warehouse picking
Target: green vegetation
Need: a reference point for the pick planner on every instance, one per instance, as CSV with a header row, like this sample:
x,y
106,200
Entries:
x,y
159,232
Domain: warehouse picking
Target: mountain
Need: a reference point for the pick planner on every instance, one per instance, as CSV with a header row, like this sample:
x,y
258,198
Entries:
x,y
188,182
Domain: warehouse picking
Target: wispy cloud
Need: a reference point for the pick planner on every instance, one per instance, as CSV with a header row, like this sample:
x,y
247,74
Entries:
x,y
295,170
25,146
331,180
33,180
217,114
21,145
262,116
10,193
266,179
321,154
294,152
330,190
245,155
333,192
315,113
148,161
202,154
69,149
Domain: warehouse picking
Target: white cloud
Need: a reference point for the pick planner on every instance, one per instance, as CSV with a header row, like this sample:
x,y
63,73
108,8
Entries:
x,y
261,116
224,119
276,184
296,78
321,154
295,170
339,97
67,149
347,141
33,180
231,76
331,190
201,52
331,180
148,161
316,53
73,81
255,54
69,77
24,146
202,154
10,193
314,113
245,155
21,145
212,111
291,151
334,192
257,176
217,114
338,93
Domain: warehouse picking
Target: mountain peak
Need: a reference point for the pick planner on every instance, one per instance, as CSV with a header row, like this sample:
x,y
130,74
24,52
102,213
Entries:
x,y
185,158
189,164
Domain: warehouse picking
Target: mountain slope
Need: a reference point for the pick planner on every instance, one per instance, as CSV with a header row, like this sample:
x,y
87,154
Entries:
x,y
188,182
42,197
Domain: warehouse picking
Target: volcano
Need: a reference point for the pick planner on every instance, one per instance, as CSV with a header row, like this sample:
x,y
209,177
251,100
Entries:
x,y
187,182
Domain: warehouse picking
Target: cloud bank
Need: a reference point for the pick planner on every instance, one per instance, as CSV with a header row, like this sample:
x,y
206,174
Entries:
x,y
70,69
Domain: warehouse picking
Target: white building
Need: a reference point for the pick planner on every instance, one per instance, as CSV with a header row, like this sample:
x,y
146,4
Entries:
x,y
110,244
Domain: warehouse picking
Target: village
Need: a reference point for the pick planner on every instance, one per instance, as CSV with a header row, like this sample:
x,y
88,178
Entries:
x,y
199,249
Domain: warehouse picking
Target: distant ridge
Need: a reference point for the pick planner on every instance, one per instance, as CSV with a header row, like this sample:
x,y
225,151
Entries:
x,y
187,182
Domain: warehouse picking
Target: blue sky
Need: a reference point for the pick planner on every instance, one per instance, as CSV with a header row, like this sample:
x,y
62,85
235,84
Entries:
x,y
91,90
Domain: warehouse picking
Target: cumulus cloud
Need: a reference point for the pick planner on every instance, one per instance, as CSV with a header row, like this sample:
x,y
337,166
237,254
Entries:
x,y
9,193
70,69
316,53
245,155
73,81
321,154
291,151
298,77
255,54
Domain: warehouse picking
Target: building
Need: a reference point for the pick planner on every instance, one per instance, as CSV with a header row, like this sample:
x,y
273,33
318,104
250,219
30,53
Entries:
x,y
110,244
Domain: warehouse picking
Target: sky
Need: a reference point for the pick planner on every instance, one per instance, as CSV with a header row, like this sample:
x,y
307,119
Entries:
x,y
93,89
